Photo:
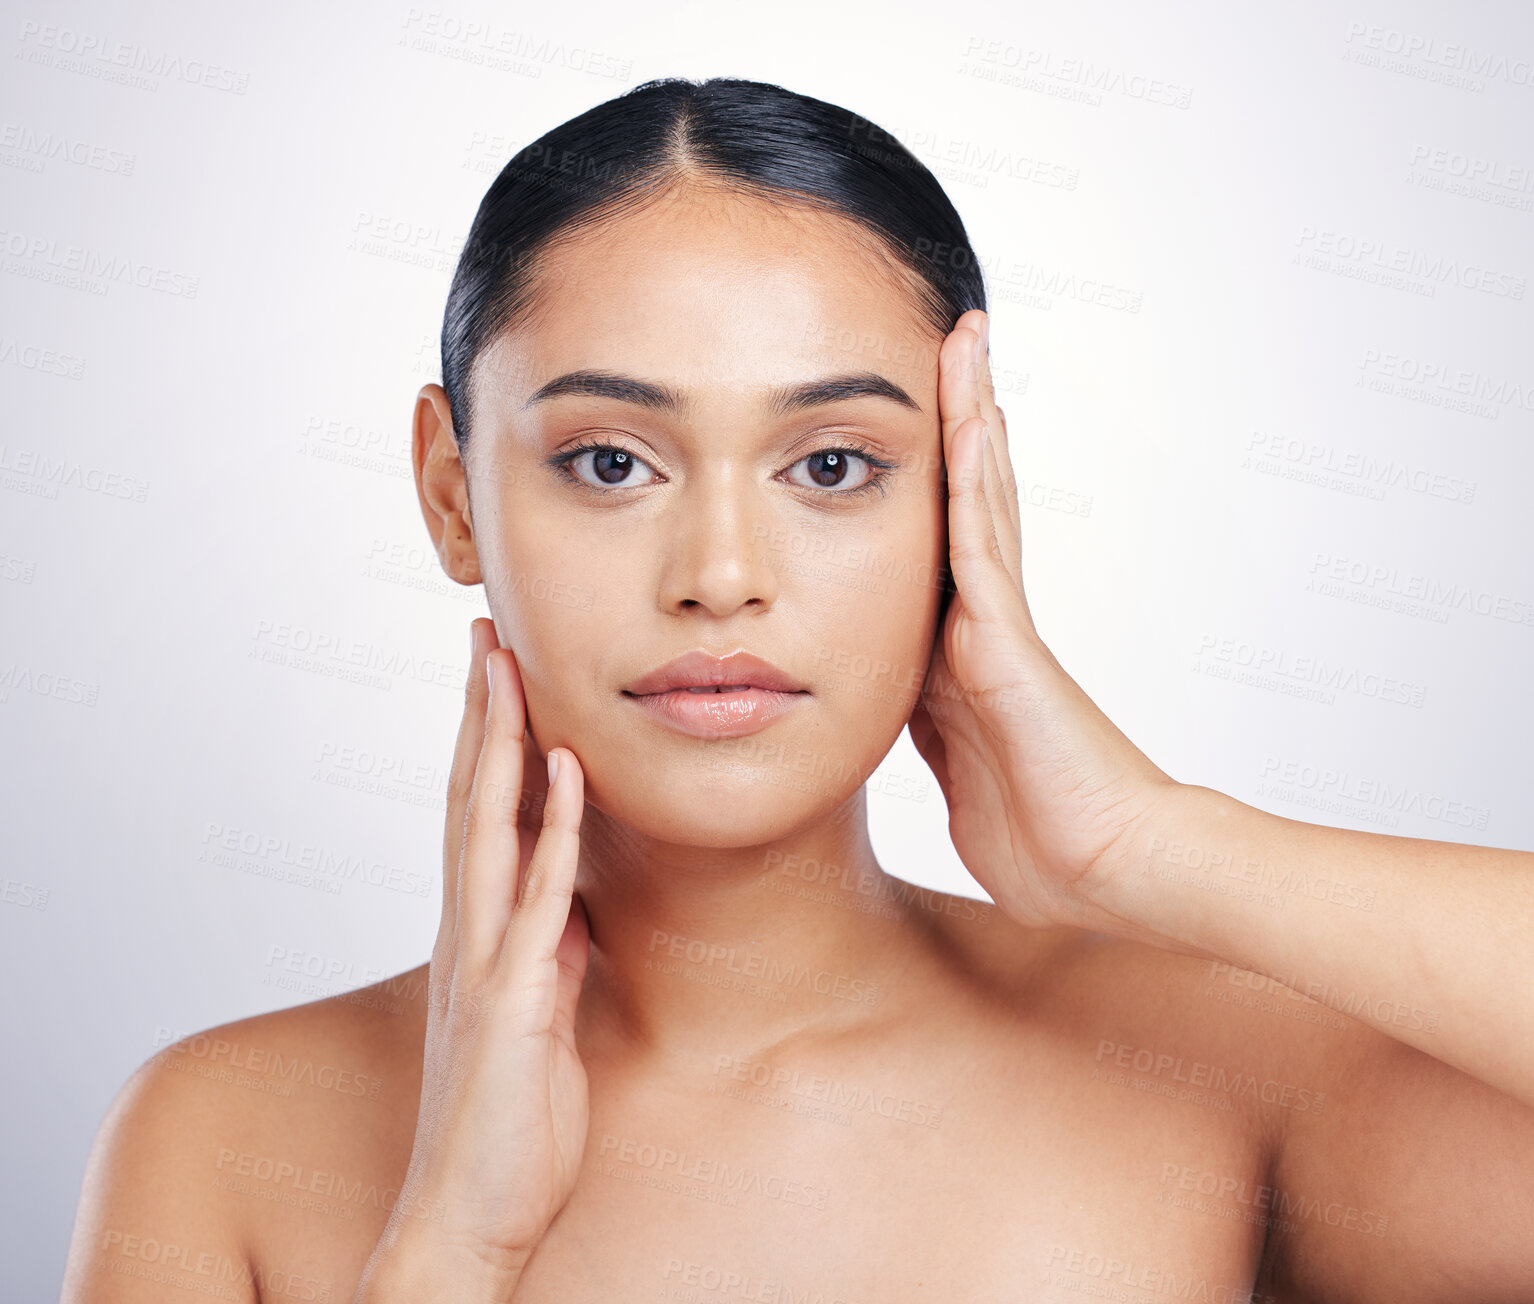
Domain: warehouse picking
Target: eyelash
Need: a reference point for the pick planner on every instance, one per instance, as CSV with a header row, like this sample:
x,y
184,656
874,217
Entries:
x,y
877,480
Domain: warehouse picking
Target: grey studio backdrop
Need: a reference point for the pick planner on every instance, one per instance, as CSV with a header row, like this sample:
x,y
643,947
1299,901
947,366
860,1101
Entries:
x,y
1260,289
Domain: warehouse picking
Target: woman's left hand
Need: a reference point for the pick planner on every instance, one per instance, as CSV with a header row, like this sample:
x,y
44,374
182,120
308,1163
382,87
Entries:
x,y
1041,786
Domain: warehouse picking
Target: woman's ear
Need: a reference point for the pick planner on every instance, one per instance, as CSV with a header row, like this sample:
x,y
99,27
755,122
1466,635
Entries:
x,y
442,485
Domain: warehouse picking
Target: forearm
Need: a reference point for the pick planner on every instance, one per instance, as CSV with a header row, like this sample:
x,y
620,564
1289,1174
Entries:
x,y
1431,942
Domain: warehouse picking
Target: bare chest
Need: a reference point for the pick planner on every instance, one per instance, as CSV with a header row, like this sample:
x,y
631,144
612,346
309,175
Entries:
x,y
782,1186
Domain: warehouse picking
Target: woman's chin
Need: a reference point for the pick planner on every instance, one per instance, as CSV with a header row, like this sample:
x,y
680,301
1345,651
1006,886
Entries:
x,y
714,804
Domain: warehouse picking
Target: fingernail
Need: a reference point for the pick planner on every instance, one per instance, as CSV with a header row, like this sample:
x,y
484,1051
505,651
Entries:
x,y
979,347
553,767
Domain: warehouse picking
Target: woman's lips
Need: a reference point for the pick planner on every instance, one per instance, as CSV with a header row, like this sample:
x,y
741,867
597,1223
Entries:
x,y
716,712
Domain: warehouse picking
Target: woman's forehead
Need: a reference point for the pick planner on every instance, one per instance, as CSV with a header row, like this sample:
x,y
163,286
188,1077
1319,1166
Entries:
x,y
678,261
781,362
692,317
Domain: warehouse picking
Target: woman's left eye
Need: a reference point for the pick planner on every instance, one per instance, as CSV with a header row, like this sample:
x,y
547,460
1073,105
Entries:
x,y
837,471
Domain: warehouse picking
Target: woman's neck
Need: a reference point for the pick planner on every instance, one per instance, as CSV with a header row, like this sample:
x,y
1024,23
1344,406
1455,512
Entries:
x,y
698,948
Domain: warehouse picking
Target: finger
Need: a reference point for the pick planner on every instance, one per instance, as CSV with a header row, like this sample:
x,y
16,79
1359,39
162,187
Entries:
x,y
487,870
979,573
1011,552
572,955
965,391
957,397
535,790
541,918
1004,499
1008,475
551,872
471,735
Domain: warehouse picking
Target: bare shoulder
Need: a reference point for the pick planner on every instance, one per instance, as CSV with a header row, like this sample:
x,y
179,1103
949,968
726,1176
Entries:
x,y
1164,1023
1154,988
217,1139
1375,1171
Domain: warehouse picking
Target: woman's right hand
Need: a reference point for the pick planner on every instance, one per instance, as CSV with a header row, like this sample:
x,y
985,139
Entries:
x,y
503,1116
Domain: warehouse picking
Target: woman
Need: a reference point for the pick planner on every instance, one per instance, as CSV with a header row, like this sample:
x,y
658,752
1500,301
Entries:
x,y
716,433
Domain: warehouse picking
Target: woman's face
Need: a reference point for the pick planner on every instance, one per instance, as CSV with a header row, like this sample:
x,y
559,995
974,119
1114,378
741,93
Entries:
x,y
726,527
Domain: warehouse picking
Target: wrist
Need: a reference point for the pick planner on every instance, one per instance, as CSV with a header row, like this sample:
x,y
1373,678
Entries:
x,y
413,1265
1177,877
1112,895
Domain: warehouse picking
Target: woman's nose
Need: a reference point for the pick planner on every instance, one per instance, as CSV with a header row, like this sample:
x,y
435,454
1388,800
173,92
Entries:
x,y
717,553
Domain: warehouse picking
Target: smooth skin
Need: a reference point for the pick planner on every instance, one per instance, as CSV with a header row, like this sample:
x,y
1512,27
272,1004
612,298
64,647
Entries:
x,y
570,1109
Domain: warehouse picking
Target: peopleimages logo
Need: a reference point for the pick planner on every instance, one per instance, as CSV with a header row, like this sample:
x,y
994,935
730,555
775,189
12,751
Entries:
x,y
81,267
1039,69
102,57
1415,48
1368,258
765,968
1438,384
1518,178
1280,1203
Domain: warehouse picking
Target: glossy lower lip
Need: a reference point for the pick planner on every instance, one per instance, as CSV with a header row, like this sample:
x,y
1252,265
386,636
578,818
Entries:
x,y
730,714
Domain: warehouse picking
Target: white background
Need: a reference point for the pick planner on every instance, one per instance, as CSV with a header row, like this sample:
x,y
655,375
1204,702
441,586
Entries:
x,y
182,475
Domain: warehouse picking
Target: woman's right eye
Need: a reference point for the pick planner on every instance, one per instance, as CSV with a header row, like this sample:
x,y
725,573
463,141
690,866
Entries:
x,y
603,466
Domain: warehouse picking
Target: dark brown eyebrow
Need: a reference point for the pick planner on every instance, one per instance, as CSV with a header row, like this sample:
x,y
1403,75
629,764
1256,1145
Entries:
x,y
781,401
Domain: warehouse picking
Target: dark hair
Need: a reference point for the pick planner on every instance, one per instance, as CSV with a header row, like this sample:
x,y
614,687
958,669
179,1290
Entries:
x,y
750,137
